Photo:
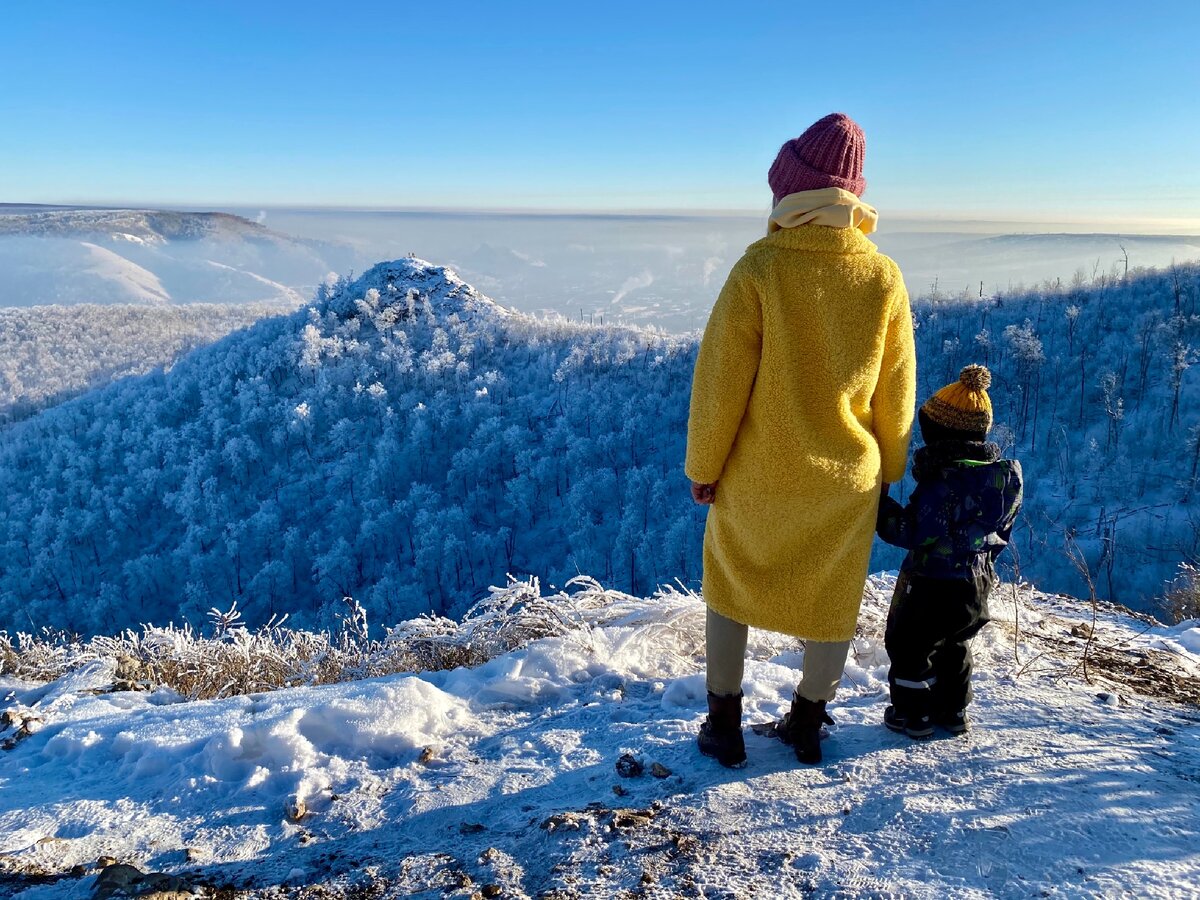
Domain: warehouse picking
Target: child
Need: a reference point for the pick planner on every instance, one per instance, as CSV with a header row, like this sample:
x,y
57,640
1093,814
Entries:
x,y
956,523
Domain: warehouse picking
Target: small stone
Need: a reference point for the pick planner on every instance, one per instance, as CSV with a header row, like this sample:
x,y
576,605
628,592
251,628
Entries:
x,y
105,861
647,878
628,767
471,828
658,770
296,808
78,871
491,890
116,879
619,790
193,854
426,756
161,886
632,818
686,843
561,820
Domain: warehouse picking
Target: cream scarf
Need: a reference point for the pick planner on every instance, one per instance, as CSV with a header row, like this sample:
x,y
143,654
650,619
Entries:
x,y
831,206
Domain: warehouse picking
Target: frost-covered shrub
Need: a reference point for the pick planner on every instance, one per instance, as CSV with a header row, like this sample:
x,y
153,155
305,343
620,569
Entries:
x,y
233,659
1182,601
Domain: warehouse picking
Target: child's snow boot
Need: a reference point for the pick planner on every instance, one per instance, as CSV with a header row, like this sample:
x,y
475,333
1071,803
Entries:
x,y
801,727
918,727
721,733
954,722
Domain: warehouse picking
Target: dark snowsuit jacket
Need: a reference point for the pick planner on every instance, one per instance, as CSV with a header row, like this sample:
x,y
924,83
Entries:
x,y
961,513
956,523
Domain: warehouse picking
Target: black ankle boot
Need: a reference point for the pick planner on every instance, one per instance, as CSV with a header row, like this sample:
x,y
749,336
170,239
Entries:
x,y
801,727
721,733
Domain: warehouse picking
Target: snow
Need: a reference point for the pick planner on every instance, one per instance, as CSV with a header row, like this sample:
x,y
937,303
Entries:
x,y
134,283
1065,788
1182,638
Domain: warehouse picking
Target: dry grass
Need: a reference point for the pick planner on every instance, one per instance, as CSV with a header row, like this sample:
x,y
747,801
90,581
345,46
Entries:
x,y
1068,638
236,660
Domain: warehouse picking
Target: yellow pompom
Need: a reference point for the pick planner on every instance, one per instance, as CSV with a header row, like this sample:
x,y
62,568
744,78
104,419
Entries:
x,y
963,405
975,378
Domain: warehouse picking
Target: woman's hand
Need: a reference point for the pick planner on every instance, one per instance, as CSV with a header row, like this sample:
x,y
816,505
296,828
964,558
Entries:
x,y
704,493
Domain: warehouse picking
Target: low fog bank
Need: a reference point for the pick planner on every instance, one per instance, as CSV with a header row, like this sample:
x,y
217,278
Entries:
x,y
647,269
666,270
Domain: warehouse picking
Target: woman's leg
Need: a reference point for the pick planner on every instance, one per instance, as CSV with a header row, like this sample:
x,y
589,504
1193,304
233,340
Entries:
x,y
824,662
725,640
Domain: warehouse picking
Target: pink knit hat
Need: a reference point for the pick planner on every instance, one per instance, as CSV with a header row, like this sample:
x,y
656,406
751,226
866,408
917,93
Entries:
x,y
829,154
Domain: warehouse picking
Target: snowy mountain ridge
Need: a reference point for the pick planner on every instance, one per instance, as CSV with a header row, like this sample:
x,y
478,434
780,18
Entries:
x,y
1078,780
66,256
144,226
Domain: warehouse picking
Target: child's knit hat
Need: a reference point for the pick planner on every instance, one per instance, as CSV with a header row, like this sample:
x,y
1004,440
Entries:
x,y
828,154
964,405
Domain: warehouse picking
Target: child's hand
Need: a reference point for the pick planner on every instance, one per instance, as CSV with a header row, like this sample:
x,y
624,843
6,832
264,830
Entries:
x,y
704,493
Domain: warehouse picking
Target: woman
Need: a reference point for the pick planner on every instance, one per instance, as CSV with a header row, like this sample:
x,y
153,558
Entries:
x,y
801,411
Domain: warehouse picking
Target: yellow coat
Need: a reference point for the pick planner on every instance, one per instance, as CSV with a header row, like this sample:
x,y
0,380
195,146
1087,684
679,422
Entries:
x,y
802,402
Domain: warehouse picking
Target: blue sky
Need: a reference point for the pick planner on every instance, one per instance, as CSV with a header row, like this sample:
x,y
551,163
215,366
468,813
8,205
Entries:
x,y
1051,109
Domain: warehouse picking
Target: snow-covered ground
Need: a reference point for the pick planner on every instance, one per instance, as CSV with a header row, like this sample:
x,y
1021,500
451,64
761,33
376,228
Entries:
x,y
1079,779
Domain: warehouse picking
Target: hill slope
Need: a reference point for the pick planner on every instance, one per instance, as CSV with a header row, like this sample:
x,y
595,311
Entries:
x,y
1075,782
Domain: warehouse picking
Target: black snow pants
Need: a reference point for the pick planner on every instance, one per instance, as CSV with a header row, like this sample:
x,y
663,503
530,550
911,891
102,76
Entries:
x,y
929,627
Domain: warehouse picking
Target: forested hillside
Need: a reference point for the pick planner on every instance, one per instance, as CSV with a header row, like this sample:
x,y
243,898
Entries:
x,y
408,442
405,441
1094,391
51,353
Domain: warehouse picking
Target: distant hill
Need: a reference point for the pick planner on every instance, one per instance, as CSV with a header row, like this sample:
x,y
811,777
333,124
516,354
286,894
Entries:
x,y
68,255
950,265
138,225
